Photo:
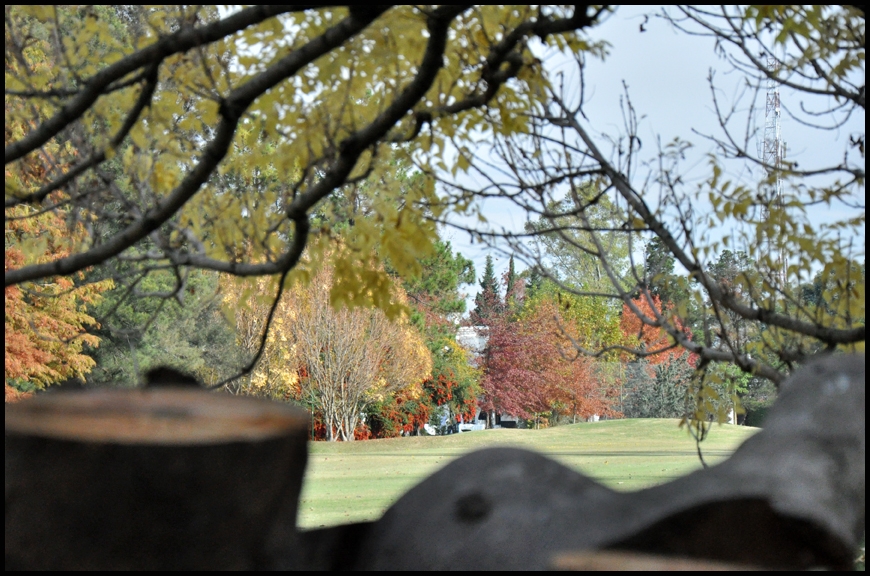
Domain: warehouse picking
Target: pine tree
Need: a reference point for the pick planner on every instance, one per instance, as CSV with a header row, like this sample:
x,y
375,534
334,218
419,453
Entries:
x,y
534,281
511,286
658,268
487,303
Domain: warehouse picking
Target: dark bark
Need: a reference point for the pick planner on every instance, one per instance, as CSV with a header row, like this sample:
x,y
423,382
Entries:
x,y
156,479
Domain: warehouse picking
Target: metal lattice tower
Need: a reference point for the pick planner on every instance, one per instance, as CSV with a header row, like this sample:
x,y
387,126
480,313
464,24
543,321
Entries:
x,y
772,154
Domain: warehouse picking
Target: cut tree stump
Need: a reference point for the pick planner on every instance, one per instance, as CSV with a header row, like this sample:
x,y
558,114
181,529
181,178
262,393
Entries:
x,y
164,478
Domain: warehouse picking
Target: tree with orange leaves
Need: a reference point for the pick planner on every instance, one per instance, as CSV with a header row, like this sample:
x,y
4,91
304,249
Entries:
x,y
653,341
45,320
576,389
659,381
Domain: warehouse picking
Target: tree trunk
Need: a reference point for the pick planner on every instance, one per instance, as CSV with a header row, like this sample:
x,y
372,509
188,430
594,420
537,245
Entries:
x,y
154,479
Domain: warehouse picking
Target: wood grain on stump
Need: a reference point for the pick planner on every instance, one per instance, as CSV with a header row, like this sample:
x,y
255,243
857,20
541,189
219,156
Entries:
x,y
164,478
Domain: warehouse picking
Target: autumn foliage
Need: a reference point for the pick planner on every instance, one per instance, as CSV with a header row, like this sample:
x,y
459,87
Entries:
x,y
651,338
532,368
402,413
337,361
663,390
45,321
446,389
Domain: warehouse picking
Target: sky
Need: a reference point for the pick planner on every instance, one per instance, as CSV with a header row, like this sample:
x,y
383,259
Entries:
x,y
666,73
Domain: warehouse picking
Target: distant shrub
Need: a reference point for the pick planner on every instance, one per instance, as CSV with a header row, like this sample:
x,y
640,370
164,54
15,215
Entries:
x,y
756,412
656,391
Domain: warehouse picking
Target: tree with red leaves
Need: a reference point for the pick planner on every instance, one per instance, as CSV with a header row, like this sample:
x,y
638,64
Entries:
x,y
531,367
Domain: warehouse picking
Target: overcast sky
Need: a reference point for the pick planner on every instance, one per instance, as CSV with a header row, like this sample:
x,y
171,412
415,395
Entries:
x,y
666,73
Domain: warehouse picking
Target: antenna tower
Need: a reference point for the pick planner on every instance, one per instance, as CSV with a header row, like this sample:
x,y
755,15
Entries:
x,y
772,154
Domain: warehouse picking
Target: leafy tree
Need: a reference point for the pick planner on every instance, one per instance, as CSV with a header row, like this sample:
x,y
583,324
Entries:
x,y
737,272
531,366
597,320
658,267
435,295
395,415
451,391
277,371
658,391
515,371
659,385
456,390
152,323
348,359
638,323
825,296
565,244
45,320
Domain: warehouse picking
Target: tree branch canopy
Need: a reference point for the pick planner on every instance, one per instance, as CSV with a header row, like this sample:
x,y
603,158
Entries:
x,y
244,95
182,137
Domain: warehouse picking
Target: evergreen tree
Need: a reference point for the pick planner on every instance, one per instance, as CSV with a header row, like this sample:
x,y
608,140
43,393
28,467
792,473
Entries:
x,y
511,278
658,267
487,303
514,288
671,289
534,281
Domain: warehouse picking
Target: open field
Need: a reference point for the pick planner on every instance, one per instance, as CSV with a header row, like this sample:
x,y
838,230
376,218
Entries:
x,y
356,481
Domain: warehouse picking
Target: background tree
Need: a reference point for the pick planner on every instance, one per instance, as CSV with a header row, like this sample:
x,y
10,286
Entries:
x,y
150,322
565,245
435,292
661,279
350,358
514,291
488,303
657,391
665,392
530,363
516,376
637,325
45,320
436,301
276,374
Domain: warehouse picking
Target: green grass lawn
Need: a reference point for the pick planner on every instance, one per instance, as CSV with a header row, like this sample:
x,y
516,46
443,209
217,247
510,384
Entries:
x,y
356,481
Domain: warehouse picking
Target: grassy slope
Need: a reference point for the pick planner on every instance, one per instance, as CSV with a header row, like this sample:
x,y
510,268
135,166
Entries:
x,y
355,481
